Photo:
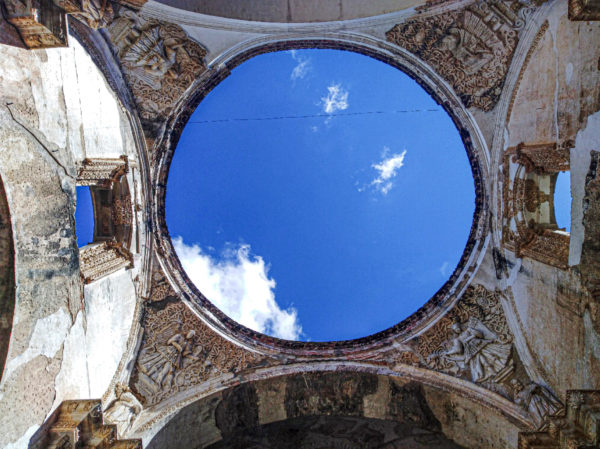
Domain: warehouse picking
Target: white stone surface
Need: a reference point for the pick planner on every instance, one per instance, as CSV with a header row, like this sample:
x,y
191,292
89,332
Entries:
x,y
110,305
588,139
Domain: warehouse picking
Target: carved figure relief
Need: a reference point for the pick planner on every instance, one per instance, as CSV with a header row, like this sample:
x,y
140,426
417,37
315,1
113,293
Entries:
x,y
123,410
94,13
472,341
159,61
537,400
178,351
475,349
470,48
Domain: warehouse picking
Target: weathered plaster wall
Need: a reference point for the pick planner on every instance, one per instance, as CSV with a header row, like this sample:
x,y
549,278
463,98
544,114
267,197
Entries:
x,y
557,100
55,110
294,10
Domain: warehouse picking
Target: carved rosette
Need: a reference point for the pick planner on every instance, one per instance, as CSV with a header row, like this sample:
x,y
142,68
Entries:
x,y
178,352
159,60
470,48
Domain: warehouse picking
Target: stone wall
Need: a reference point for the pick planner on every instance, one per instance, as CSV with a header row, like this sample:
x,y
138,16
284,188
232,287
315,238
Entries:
x,y
55,110
557,100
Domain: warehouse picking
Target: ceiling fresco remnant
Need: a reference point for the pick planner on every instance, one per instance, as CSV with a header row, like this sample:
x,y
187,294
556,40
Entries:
x,y
470,48
509,358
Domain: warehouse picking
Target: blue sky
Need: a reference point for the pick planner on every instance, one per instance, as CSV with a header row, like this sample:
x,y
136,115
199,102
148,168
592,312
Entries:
x,y
321,228
334,224
84,216
562,201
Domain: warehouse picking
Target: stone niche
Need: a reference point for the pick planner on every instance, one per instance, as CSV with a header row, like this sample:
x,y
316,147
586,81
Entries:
x,y
530,229
113,217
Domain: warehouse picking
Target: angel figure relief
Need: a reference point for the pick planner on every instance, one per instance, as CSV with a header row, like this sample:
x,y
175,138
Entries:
x,y
160,363
475,350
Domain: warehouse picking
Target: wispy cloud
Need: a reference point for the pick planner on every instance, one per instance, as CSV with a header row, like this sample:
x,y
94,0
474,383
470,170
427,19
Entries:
x,y
336,99
240,286
302,68
387,169
444,269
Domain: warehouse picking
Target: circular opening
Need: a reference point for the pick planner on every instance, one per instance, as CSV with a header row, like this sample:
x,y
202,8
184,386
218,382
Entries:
x,y
319,195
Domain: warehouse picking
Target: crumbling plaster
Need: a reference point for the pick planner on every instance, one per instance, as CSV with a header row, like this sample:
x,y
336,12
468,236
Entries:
x,y
67,341
557,100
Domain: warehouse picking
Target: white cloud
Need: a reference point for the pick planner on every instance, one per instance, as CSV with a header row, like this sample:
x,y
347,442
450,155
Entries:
x,y
444,269
387,169
302,68
240,286
336,99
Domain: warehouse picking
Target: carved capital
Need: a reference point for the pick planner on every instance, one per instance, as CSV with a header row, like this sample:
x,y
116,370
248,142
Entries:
x,y
102,259
79,423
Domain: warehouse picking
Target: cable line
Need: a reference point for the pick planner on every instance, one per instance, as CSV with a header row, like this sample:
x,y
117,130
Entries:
x,y
287,117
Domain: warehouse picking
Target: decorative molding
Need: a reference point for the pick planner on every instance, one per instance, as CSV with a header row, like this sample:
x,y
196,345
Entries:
x,y
78,424
101,259
159,61
102,172
41,23
470,48
522,232
178,351
577,427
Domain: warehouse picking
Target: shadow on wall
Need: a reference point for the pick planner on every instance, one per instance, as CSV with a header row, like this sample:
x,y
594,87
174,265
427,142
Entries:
x,y
8,33
7,278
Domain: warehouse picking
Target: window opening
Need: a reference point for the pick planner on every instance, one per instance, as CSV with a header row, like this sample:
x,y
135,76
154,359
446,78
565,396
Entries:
x,y
84,217
562,201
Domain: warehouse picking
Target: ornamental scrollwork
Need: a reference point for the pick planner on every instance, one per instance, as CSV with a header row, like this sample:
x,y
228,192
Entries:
x,y
470,48
178,351
160,62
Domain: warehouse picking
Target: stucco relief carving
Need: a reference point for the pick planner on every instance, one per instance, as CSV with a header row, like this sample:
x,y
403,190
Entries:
x,y
159,61
123,410
537,400
474,349
40,24
178,351
473,341
526,231
94,13
102,172
101,259
471,48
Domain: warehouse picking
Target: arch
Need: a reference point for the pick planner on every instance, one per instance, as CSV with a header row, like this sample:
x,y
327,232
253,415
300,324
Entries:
x,y
474,144
282,11
303,399
7,278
